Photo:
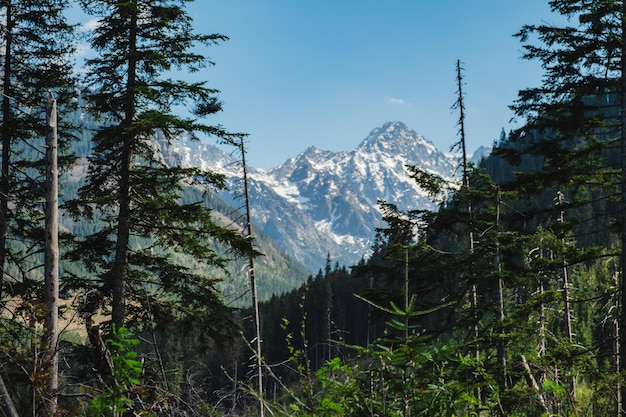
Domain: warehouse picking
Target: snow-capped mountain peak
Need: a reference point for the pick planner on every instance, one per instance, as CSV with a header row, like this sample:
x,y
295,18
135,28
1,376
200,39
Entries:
x,y
322,202
396,138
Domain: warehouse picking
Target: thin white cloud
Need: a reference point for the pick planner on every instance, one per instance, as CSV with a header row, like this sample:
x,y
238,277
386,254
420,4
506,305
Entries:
x,y
394,100
90,25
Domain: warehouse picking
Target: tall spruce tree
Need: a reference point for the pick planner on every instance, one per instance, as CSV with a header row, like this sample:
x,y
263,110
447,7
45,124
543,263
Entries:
x,y
37,47
37,44
575,124
143,227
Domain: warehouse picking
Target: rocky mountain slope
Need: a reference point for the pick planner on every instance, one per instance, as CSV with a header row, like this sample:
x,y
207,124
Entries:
x,y
322,203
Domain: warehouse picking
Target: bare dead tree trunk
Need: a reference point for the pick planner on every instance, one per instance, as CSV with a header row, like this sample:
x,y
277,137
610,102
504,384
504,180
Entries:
x,y
253,288
616,338
621,388
560,200
541,345
8,406
498,268
532,383
51,262
460,105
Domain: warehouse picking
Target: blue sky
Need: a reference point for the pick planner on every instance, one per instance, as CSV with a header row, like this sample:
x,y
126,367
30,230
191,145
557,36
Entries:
x,y
297,73
324,73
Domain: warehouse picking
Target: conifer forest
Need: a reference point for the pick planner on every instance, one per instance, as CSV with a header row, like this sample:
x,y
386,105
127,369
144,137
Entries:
x,y
508,299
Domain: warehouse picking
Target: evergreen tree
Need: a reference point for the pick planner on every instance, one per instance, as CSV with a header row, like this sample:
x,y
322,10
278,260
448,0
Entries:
x,y
37,47
144,226
576,128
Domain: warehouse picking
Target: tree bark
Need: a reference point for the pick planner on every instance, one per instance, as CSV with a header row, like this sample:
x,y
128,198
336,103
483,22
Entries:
x,y
9,406
51,262
498,268
466,184
621,389
253,288
532,383
120,268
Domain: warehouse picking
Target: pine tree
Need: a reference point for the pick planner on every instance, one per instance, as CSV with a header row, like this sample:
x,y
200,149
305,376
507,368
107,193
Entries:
x,y
148,237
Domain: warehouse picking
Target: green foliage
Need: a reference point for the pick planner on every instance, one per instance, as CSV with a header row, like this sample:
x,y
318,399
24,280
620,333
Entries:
x,y
116,397
38,61
505,351
396,378
462,311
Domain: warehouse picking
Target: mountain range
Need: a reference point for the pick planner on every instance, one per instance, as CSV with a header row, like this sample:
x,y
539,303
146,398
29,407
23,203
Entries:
x,y
323,204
